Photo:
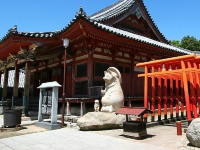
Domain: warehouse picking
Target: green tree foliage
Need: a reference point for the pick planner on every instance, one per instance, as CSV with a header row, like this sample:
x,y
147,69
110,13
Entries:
x,y
190,43
187,42
175,42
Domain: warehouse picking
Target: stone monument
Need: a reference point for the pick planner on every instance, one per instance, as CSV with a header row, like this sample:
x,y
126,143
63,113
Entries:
x,y
48,105
112,97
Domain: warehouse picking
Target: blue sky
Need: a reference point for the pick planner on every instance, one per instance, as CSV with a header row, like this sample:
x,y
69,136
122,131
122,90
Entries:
x,y
174,18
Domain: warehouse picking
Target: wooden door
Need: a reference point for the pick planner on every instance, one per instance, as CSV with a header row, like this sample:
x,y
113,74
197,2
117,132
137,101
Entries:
x,y
125,71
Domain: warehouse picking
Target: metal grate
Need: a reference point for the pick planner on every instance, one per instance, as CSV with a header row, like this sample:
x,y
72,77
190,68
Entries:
x,y
11,74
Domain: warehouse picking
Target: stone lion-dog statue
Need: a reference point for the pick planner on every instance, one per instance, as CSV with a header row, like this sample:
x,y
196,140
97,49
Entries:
x,y
112,97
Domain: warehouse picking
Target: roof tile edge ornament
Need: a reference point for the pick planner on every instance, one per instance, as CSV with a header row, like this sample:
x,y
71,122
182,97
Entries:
x,y
9,33
81,12
102,15
13,30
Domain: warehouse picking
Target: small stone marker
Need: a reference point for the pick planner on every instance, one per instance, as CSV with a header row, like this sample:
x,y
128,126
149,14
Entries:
x,y
48,105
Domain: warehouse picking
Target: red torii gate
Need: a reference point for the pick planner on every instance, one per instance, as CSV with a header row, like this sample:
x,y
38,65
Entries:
x,y
183,69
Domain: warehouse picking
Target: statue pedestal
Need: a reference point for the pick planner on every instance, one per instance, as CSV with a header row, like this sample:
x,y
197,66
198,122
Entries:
x,y
100,121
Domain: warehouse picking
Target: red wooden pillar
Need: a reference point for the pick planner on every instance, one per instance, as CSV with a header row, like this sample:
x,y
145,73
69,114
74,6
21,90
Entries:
x,y
113,58
146,92
90,68
197,86
171,98
159,96
73,76
192,92
182,99
165,98
153,96
187,99
177,98
132,73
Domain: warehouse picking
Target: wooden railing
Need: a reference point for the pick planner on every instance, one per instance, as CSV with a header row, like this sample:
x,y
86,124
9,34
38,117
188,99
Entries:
x,y
95,91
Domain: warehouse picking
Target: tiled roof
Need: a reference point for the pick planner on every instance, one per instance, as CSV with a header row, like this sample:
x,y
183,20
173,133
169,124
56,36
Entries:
x,y
13,31
141,39
117,9
113,10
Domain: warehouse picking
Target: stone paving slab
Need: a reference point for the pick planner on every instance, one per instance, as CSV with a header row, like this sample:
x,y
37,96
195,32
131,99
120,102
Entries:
x,y
72,139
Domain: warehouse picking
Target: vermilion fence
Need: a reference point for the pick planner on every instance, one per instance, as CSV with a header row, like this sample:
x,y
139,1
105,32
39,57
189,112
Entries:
x,y
185,70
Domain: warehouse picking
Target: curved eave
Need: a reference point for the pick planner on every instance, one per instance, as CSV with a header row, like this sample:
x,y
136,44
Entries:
x,y
43,35
153,21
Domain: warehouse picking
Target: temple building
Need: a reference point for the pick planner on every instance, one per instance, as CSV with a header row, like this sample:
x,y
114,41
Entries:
x,y
120,35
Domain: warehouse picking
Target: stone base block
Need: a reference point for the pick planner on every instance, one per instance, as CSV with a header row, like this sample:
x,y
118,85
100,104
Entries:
x,y
134,128
47,125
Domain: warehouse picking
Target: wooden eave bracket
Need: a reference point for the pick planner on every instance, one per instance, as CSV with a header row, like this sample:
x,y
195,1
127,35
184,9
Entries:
x,y
82,28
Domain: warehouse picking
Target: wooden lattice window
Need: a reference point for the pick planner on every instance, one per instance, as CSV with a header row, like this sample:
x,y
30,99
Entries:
x,y
127,69
82,70
81,88
121,69
100,68
54,72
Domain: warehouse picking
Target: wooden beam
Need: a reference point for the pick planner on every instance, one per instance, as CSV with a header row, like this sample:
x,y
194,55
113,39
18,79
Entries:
x,y
187,99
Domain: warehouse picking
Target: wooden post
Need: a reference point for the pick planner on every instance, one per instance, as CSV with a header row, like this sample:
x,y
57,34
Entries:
x,y
146,92
153,97
132,73
113,58
192,92
197,85
64,91
165,98
171,98
159,96
182,99
26,87
187,98
90,68
5,84
73,76
16,82
177,98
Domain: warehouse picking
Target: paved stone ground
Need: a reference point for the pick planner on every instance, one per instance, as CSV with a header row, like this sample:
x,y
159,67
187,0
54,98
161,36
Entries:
x,y
159,137
72,139
162,136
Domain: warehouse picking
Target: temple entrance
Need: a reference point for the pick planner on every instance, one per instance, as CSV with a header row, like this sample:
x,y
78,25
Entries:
x,y
125,71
